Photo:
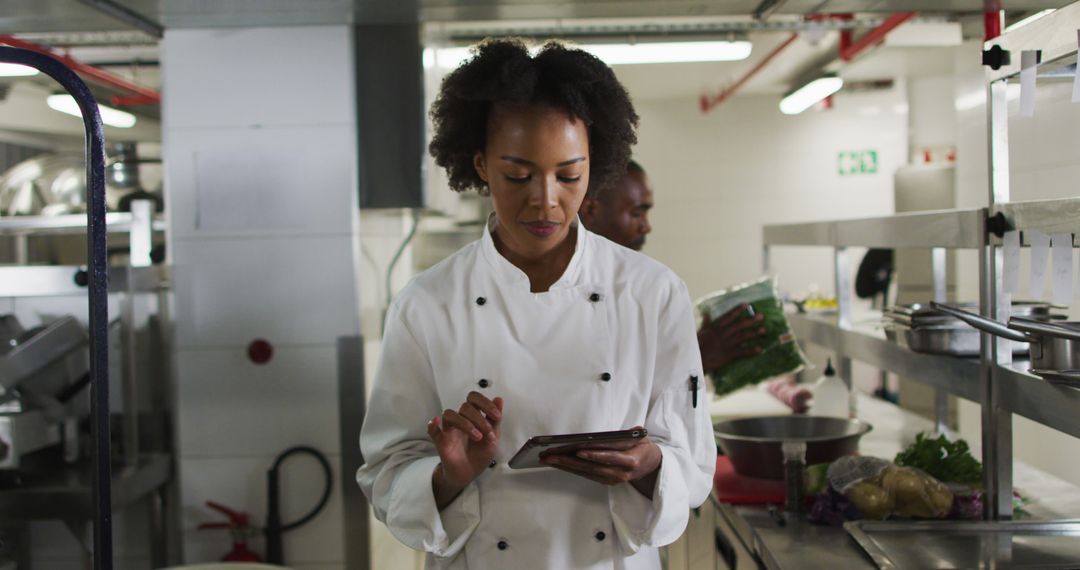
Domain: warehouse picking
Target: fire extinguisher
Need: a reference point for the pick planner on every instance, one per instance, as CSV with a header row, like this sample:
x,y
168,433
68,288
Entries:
x,y
239,526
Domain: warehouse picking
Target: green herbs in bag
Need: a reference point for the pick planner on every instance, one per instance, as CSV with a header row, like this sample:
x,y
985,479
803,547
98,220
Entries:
x,y
780,353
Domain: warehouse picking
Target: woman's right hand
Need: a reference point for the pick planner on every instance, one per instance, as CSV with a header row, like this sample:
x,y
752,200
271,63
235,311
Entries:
x,y
466,441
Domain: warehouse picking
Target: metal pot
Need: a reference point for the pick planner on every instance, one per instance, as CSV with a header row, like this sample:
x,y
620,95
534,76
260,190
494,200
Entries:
x,y
1053,346
754,444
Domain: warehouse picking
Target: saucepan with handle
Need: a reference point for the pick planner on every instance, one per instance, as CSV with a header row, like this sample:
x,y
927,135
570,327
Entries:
x,y
1054,346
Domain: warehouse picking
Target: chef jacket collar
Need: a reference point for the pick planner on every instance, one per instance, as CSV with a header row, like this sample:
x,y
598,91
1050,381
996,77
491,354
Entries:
x,y
509,273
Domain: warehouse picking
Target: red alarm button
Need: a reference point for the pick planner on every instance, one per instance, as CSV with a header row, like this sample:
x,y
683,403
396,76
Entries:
x,y
260,351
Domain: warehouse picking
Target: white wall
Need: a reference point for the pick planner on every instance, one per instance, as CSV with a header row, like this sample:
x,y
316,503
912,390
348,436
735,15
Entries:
x,y
262,206
719,177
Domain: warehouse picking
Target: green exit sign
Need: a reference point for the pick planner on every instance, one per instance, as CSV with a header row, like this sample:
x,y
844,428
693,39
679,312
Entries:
x,y
850,163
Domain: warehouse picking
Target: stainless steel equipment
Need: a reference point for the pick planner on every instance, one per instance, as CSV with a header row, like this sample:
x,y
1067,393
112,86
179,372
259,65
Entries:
x,y
55,184
921,328
1053,346
754,444
41,371
51,184
952,544
32,353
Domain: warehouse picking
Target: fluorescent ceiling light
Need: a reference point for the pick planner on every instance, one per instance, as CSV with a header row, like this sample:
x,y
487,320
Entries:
x,y
1028,20
806,96
669,52
109,116
621,54
925,34
16,70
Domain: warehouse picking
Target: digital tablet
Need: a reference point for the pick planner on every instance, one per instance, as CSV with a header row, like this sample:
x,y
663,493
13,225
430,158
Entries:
x,y
566,444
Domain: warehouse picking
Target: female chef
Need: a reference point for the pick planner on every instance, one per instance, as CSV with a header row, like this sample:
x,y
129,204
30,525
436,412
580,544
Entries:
x,y
537,328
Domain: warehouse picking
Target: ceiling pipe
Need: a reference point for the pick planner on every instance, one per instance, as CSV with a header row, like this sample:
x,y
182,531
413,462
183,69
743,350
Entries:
x,y
766,9
127,16
142,95
992,19
873,37
707,102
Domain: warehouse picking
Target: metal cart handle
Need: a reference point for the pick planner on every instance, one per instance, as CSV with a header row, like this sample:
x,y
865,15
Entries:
x,y
98,290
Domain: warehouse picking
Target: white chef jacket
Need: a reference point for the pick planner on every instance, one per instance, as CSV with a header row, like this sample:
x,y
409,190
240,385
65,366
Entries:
x,y
611,345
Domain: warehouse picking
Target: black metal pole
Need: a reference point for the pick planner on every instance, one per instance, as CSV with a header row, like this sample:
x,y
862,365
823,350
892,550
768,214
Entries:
x,y
99,290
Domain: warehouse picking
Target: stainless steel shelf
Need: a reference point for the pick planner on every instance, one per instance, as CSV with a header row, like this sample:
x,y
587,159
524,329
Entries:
x,y
1054,34
60,280
865,341
66,494
1048,216
117,222
1025,394
944,228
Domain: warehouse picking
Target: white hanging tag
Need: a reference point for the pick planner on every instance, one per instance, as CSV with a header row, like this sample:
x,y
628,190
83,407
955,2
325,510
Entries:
x,y
1061,273
1040,255
1077,293
1076,74
1029,60
1010,272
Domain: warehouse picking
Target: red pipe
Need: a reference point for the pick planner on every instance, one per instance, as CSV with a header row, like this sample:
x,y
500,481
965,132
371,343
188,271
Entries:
x,y
708,103
992,24
874,36
119,101
89,72
845,35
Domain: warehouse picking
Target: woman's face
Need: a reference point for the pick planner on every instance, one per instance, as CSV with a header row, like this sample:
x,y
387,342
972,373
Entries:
x,y
536,165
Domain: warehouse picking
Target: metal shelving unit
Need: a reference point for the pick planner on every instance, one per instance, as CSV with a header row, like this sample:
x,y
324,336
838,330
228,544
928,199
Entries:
x,y
935,230
867,343
143,469
73,224
1001,386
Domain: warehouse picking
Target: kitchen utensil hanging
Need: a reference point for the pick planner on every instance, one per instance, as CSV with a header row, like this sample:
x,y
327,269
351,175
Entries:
x,y
1054,346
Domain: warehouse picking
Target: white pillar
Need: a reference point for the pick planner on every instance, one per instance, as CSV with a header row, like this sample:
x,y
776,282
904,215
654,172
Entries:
x,y
260,154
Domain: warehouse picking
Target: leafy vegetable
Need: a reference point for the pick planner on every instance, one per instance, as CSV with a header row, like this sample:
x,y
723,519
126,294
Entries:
x,y
815,479
780,353
946,461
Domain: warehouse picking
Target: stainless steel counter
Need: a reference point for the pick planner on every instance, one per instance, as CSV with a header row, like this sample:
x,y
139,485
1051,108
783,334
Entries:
x,y
798,544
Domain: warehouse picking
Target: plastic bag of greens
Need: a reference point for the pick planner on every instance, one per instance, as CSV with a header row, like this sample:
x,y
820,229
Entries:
x,y
780,353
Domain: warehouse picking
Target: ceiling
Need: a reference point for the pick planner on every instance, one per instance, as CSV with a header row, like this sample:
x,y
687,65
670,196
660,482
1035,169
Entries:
x,y
95,37
23,16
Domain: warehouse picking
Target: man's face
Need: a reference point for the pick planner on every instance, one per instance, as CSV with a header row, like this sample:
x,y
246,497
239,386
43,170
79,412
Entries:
x,y
622,213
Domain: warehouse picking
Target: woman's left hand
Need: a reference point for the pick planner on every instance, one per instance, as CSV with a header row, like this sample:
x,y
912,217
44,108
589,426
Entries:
x,y
637,463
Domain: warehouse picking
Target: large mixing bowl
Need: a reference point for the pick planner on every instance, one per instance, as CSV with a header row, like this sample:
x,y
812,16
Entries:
x,y
753,444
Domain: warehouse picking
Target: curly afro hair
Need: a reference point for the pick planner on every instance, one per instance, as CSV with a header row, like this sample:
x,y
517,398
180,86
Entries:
x,y
502,71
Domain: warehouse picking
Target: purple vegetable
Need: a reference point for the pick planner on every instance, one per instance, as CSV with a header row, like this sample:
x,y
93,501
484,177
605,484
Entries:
x,y
833,509
967,504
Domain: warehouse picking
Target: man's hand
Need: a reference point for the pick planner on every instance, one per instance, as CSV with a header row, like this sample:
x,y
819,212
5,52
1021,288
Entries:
x,y
724,340
466,441
637,463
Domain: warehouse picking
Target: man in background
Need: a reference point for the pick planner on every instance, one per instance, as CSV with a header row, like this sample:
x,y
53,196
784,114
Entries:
x,y
621,214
